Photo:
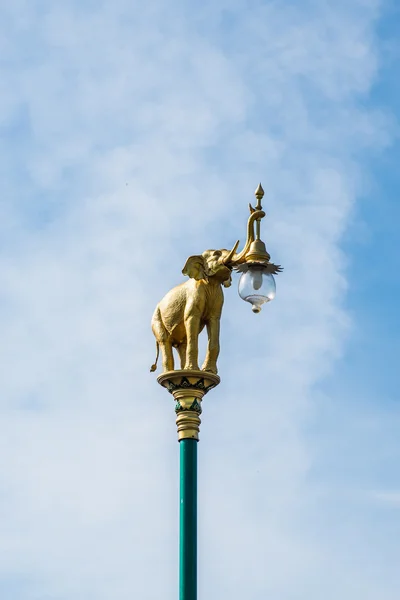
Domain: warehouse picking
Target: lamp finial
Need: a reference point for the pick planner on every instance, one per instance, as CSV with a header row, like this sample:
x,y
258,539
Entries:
x,y
259,194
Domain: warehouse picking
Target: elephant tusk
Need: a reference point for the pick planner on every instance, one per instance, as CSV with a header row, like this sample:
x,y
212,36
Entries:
x,y
231,253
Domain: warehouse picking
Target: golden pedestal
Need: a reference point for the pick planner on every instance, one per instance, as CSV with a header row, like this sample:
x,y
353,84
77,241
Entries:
x,y
188,389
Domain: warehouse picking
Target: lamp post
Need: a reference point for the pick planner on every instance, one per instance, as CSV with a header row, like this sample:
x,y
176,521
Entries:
x,y
177,322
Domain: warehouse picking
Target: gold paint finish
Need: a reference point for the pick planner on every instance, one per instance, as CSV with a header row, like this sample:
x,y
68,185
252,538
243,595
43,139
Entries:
x,y
196,379
189,308
188,425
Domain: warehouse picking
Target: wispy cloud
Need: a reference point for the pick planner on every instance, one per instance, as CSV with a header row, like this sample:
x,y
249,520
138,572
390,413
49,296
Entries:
x,y
133,137
387,497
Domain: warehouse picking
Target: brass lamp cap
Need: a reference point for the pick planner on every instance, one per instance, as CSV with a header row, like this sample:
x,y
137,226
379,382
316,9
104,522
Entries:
x,y
257,252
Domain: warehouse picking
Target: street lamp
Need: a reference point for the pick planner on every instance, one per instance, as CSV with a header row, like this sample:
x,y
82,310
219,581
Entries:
x,y
177,322
257,284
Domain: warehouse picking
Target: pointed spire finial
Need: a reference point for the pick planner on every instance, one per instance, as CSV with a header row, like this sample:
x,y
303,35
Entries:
x,y
259,194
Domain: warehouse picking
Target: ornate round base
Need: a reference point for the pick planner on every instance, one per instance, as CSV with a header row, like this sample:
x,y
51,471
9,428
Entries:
x,y
188,388
185,379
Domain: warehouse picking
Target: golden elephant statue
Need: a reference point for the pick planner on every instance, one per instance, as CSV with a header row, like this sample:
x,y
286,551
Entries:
x,y
189,307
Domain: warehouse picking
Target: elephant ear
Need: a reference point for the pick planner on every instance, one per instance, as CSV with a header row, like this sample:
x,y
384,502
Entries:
x,y
195,267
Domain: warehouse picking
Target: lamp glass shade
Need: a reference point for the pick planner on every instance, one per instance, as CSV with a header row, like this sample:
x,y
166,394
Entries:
x,y
257,287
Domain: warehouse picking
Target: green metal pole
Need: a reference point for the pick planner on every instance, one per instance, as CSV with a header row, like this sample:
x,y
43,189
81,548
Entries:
x,y
188,520
188,388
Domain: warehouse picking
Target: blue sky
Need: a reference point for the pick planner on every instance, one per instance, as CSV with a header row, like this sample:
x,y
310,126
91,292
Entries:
x,y
131,137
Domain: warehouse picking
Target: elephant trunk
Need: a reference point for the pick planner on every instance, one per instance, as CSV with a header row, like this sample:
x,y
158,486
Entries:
x,y
235,259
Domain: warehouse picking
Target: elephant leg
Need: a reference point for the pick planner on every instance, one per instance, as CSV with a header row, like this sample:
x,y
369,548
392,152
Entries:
x,y
210,363
182,353
192,325
167,356
163,338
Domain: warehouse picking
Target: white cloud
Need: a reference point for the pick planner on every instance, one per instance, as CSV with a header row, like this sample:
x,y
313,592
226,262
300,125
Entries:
x,y
135,137
389,498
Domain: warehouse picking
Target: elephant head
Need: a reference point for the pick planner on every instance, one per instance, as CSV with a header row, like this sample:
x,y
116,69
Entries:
x,y
212,265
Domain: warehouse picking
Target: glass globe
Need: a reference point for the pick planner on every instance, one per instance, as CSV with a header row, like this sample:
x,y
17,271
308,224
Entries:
x,y
257,286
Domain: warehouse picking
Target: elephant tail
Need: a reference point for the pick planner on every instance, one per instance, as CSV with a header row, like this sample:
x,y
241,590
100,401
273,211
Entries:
x,y
154,367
